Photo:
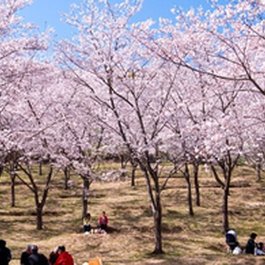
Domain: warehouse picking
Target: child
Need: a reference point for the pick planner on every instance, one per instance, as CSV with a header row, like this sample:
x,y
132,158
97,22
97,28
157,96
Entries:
x,y
260,249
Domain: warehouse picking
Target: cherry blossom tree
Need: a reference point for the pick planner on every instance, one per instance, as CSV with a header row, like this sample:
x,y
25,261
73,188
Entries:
x,y
224,143
225,44
30,134
122,77
81,137
19,44
255,121
188,111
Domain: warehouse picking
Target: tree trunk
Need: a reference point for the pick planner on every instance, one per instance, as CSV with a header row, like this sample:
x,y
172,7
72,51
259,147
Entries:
x,y
227,168
134,167
258,171
39,209
66,172
39,214
12,173
225,209
155,200
1,169
196,183
40,168
86,185
123,166
157,214
39,200
40,203
133,177
13,183
187,178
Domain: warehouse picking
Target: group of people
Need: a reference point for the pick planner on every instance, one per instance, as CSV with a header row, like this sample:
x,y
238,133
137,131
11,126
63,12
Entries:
x,y
32,256
251,246
102,226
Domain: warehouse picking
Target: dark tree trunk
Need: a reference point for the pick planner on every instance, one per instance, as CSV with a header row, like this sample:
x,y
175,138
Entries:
x,y
40,203
187,178
85,196
12,173
225,209
133,177
196,183
123,162
1,170
13,192
39,214
227,165
66,172
258,171
227,172
40,168
134,167
157,214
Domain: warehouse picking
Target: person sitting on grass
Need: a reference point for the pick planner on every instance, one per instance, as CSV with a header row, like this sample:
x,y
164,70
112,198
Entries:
x,y
86,223
260,249
251,244
103,221
231,241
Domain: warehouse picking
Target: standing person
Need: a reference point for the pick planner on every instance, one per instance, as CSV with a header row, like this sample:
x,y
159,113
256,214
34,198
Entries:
x,y
5,253
103,221
37,258
64,258
251,244
24,258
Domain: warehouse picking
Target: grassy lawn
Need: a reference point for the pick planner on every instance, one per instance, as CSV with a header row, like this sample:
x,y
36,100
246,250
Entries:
x,y
187,240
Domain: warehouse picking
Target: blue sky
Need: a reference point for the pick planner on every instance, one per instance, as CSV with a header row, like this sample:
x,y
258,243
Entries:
x,y
48,13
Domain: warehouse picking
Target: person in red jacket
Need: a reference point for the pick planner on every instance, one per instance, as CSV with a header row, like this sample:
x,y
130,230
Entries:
x,y
64,258
103,221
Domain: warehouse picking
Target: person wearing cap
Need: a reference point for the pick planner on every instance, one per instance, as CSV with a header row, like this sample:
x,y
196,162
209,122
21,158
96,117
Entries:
x,y
24,258
64,258
251,244
5,253
37,258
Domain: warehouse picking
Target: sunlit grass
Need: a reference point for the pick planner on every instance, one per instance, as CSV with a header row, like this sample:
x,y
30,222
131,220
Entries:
x,y
187,240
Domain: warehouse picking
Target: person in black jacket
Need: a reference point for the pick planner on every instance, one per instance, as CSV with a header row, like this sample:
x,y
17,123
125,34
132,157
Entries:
x,y
251,244
5,253
24,258
37,258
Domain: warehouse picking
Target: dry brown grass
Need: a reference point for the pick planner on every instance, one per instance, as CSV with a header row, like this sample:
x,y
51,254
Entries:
x,y
187,240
